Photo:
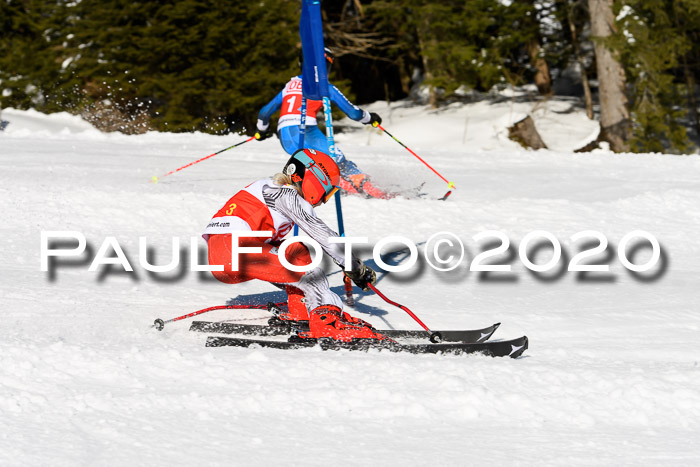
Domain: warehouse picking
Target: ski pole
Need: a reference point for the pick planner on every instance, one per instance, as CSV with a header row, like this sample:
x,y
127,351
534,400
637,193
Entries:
x,y
450,185
159,324
155,179
349,299
435,337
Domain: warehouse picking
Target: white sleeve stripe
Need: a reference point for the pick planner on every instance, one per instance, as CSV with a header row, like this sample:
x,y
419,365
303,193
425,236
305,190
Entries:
x,y
287,202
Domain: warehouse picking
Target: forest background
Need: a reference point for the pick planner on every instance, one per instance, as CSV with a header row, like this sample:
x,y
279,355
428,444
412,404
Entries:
x,y
210,65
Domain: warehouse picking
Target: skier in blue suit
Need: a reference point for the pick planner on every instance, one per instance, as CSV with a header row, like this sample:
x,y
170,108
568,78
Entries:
x,y
288,102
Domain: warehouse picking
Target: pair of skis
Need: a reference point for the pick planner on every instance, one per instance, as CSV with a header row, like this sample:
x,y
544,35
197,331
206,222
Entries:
x,y
455,342
443,342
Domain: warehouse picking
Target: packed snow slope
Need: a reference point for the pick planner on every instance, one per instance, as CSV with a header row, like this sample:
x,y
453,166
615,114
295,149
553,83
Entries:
x,y
612,373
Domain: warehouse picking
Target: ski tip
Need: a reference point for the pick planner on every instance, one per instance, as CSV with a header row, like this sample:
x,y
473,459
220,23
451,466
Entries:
x,y
495,326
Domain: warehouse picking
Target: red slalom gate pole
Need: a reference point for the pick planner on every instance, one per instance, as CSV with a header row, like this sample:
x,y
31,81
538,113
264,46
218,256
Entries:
x,y
435,337
450,185
155,179
159,324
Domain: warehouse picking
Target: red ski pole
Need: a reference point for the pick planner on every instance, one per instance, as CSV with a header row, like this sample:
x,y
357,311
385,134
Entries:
x,y
450,185
435,337
349,299
159,324
155,179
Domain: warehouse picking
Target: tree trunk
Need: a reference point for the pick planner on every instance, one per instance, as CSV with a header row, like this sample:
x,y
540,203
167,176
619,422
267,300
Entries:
x,y
690,86
689,82
584,76
432,98
525,133
424,31
543,81
615,124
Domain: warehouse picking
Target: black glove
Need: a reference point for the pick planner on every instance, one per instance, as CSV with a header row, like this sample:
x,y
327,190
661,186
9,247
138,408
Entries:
x,y
362,276
374,119
262,134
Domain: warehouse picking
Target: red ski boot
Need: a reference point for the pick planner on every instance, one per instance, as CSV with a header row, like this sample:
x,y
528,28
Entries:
x,y
351,319
296,309
328,321
363,185
373,191
348,187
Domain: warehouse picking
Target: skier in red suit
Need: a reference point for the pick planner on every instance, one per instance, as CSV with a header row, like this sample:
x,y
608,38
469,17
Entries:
x,y
309,179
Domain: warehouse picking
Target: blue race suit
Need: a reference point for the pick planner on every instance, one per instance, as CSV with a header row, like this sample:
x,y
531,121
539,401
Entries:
x,y
288,101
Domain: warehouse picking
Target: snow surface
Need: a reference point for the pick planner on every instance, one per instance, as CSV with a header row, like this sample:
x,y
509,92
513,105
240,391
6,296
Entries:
x,y
611,377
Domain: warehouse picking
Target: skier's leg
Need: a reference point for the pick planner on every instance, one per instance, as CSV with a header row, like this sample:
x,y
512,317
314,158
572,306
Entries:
x,y
312,285
315,139
296,308
351,175
352,180
360,181
367,187
348,167
289,138
264,266
326,319
348,187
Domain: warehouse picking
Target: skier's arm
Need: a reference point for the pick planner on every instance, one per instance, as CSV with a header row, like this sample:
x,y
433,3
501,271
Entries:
x,y
267,111
351,110
288,203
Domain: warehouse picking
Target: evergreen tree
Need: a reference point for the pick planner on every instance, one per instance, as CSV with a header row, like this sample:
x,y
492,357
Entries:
x,y
476,44
194,64
209,65
30,33
686,18
651,48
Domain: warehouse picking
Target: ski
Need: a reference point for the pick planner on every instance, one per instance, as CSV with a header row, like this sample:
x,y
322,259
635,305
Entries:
x,y
467,336
463,335
511,348
238,328
415,192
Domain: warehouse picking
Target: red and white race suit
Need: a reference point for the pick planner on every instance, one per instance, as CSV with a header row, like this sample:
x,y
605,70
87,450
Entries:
x,y
266,206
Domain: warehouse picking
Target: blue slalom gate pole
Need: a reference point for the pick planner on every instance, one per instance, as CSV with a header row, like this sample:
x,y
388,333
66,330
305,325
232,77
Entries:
x,y
331,147
302,133
315,86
